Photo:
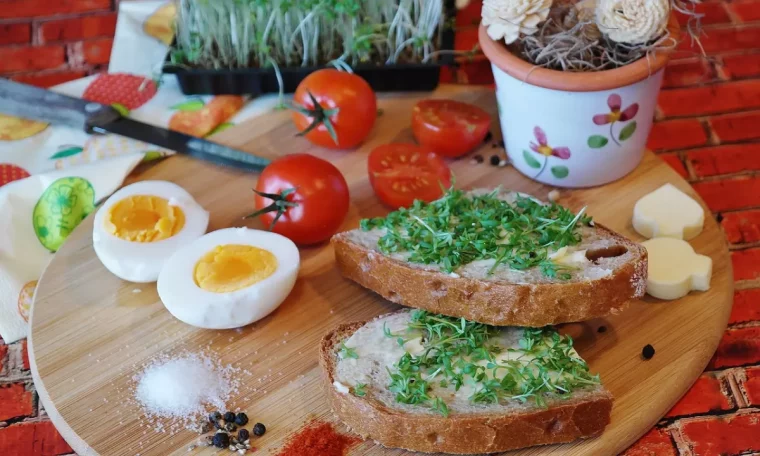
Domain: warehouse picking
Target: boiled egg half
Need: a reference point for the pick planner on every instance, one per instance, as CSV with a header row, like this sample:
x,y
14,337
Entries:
x,y
140,226
229,278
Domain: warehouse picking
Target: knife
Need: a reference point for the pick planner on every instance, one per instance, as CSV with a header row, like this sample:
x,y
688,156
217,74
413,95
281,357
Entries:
x,y
29,102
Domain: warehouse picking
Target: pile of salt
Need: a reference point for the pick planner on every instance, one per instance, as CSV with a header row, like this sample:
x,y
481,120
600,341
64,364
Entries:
x,y
184,387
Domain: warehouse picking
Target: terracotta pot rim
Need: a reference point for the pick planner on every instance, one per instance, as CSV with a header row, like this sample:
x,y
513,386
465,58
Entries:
x,y
518,68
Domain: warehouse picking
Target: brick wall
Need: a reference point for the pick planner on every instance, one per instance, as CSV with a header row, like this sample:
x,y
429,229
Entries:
x,y
25,430
47,42
708,129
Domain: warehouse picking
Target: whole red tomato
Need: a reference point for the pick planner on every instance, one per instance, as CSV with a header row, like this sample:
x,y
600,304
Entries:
x,y
402,173
334,109
302,197
449,128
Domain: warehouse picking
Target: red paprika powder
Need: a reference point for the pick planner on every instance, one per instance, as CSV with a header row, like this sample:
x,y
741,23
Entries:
x,y
318,439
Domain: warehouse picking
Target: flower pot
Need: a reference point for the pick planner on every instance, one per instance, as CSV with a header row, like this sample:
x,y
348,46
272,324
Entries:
x,y
575,129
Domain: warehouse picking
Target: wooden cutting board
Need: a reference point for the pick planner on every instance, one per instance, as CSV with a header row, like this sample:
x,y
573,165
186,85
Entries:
x,y
90,332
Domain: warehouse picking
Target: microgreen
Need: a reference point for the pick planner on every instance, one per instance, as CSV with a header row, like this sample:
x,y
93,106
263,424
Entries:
x,y
347,352
252,33
360,390
457,351
459,228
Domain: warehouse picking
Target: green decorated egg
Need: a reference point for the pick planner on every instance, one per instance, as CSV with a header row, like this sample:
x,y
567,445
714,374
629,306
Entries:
x,y
63,205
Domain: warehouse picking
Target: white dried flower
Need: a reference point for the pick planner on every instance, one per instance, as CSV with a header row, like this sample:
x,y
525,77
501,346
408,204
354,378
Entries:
x,y
507,19
633,21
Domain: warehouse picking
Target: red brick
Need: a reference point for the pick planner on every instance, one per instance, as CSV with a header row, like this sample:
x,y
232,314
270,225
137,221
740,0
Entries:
x,y
737,347
675,162
751,385
725,40
3,354
737,127
677,134
706,395
730,194
656,442
710,99
742,227
15,401
31,58
718,436
466,40
746,10
680,73
713,13
78,28
729,159
741,66
37,8
97,51
746,264
49,78
15,33
33,438
25,354
470,14
746,306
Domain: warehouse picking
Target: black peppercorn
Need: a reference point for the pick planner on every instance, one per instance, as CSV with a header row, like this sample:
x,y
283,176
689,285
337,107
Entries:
x,y
495,159
601,329
259,429
243,435
214,417
241,419
221,440
647,352
229,417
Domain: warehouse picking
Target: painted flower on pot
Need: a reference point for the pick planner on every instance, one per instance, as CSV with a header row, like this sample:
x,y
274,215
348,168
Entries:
x,y
616,115
546,151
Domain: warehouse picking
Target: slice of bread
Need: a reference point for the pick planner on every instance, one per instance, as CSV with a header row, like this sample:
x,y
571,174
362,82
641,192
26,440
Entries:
x,y
468,428
615,274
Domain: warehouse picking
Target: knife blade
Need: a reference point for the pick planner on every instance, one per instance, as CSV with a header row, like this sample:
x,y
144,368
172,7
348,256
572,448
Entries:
x,y
29,102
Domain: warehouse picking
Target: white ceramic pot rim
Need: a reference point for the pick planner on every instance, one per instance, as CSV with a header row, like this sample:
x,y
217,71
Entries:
x,y
500,56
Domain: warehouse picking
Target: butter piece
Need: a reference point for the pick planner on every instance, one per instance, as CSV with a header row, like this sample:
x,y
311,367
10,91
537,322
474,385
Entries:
x,y
340,387
414,346
668,212
569,257
675,269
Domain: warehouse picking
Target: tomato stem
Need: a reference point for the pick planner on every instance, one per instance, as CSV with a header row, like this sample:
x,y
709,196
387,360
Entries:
x,y
280,204
320,116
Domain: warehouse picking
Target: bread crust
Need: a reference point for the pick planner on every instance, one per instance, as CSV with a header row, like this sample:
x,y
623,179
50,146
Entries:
x,y
495,303
561,422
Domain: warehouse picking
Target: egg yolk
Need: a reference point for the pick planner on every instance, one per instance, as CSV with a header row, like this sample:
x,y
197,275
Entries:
x,y
144,218
232,267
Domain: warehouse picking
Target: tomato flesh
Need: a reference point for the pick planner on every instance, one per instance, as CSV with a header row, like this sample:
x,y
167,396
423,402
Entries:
x,y
320,198
401,173
449,128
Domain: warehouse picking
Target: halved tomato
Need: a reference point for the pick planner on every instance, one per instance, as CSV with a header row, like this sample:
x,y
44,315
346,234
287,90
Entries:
x,y
449,128
401,173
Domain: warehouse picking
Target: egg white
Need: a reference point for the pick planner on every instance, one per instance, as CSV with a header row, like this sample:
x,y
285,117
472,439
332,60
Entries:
x,y
195,306
141,262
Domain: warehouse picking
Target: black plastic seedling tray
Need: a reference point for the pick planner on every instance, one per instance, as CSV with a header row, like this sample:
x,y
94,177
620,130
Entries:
x,y
258,81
